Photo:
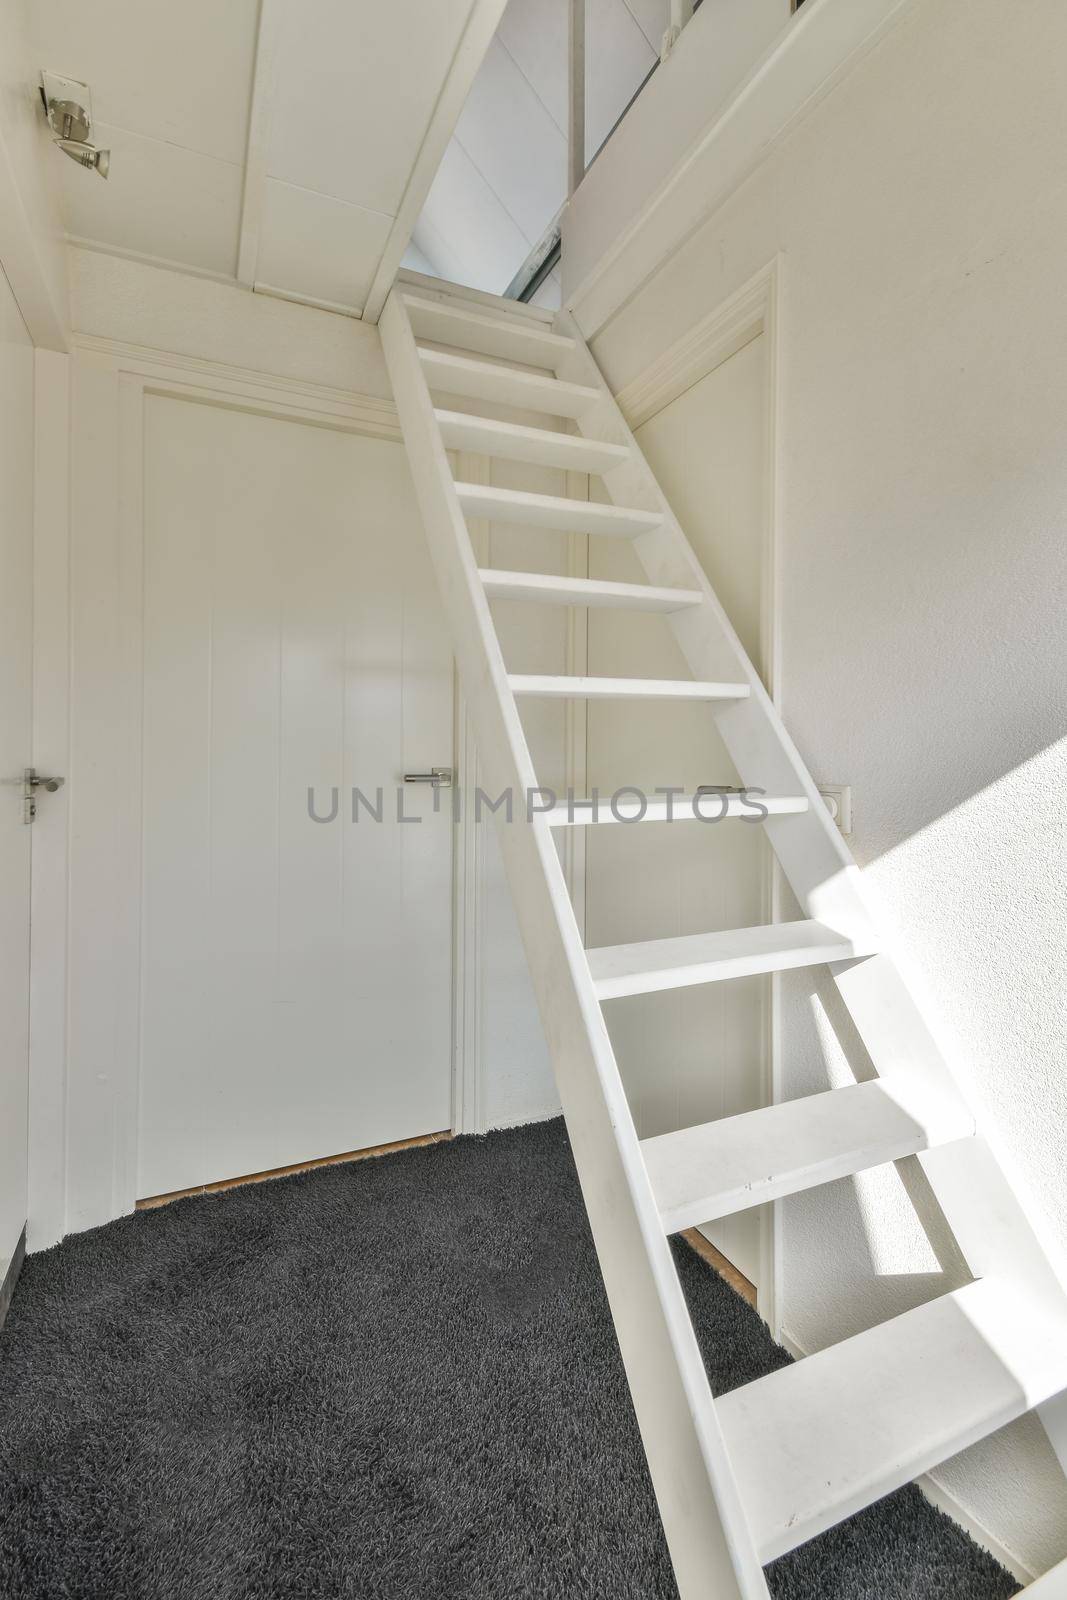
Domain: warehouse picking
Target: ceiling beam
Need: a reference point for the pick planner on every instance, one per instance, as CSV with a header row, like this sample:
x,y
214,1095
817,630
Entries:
x,y
260,118
470,52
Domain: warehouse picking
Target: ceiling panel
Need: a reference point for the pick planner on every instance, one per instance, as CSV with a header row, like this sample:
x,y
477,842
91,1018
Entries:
x,y
319,247
181,73
652,17
535,36
160,201
521,153
617,58
347,108
465,230
416,260
511,134
356,90
618,55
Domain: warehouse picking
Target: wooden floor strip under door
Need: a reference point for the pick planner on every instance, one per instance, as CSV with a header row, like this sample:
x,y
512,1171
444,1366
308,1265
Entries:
x,y
715,1258
154,1200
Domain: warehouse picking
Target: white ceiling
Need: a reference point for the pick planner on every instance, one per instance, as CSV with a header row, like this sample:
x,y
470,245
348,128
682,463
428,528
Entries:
x,y
334,103
504,174
344,98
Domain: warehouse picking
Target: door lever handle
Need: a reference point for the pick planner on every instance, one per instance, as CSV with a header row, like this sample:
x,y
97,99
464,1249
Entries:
x,y
439,777
30,782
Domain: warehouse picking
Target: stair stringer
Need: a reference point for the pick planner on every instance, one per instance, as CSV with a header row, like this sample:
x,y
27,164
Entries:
x,y
711,1547
991,1226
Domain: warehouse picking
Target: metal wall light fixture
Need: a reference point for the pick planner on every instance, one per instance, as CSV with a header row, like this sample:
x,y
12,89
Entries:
x,y
68,106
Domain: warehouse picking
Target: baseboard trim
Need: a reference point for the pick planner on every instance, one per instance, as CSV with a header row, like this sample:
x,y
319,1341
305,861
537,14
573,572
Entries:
x,y
11,1276
940,1497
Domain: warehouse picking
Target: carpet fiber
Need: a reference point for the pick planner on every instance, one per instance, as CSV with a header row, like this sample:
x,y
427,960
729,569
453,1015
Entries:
x,y
391,1380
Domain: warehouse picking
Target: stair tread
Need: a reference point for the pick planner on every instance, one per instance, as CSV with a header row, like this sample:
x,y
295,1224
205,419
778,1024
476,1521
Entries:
x,y
713,957
511,386
682,808
623,688
486,332
817,1441
500,585
718,1168
554,511
515,441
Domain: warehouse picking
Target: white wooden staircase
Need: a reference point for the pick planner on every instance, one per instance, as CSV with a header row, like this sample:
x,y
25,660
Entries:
x,y
746,1478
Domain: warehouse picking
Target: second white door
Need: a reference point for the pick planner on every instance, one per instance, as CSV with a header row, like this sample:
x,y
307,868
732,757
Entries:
x,y
296,973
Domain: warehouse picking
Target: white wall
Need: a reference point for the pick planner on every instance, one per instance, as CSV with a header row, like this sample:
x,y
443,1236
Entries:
x,y
921,214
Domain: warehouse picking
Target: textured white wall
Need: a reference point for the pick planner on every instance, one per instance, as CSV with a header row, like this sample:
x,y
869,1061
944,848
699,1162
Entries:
x,y
921,213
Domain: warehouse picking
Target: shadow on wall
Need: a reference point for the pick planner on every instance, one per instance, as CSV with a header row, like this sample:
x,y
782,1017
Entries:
x,y
981,892
891,1241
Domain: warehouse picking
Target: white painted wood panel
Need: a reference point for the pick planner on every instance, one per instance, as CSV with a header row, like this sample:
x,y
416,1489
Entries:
x,y
476,332
549,590
356,93
693,1055
516,443
601,688
16,613
160,200
554,511
727,1166
694,958
296,976
632,808
817,1441
347,244
481,380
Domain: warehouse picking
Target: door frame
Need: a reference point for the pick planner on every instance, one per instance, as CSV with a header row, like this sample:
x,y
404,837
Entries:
x,y
752,310
85,1071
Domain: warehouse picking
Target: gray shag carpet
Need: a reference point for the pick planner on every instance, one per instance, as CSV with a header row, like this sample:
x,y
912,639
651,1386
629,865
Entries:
x,y
391,1380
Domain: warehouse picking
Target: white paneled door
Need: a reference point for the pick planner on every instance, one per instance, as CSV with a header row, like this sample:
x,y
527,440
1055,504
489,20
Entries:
x,y
16,622
296,973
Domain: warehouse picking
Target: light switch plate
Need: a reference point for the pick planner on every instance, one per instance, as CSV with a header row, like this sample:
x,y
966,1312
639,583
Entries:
x,y
838,797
